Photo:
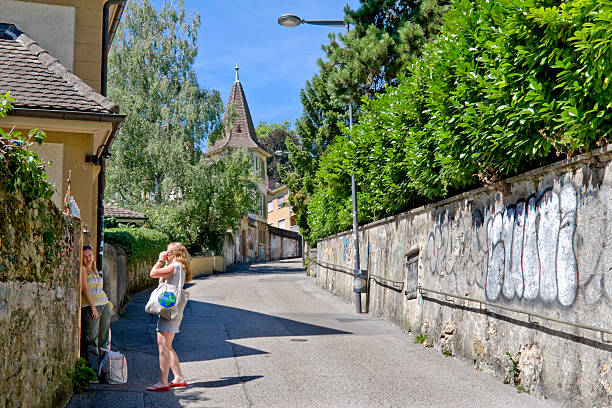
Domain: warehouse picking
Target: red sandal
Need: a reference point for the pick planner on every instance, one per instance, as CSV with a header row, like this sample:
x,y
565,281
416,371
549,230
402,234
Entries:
x,y
156,388
178,385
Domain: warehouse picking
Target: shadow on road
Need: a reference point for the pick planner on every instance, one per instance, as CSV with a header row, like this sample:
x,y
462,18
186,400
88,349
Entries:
x,y
207,330
224,382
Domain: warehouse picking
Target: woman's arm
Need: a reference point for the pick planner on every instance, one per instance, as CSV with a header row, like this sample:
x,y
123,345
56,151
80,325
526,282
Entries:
x,y
85,290
159,271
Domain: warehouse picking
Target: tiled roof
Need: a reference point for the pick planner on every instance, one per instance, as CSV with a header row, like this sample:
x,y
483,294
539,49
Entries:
x,y
118,212
242,132
38,81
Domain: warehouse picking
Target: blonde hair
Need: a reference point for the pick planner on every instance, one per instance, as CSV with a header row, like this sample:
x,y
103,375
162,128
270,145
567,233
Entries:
x,y
181,256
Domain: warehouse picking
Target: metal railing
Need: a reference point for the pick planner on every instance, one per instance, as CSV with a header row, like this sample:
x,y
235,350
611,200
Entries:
x,y
341,269
423,291
530,315
364,273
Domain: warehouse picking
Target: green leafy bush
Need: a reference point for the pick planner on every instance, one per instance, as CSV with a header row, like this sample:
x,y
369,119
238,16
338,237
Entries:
x,y
507,86
82,376
139,243
21,170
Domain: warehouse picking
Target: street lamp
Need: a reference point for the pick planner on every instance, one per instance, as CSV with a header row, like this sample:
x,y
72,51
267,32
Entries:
x,y
359,285
291,20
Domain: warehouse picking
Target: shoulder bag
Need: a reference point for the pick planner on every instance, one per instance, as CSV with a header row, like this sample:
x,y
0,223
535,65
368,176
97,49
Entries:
x,y
167,300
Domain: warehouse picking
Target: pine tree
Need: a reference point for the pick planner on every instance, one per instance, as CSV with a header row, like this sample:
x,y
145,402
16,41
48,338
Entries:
x,y
386,36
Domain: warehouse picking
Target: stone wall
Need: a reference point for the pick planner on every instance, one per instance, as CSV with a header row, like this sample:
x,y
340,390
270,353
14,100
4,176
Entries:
x,y
122,276
202,265
40,252
284,243
114,270
138,275
540,244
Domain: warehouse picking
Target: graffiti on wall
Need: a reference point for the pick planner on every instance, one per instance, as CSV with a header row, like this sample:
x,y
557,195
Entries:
x,y
346,248
531,250
527,247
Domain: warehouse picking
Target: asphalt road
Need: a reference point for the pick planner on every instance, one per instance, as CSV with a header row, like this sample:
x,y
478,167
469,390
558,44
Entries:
x,y
267,336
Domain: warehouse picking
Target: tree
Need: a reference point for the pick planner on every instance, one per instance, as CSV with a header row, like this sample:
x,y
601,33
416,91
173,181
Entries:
x,y
273,138
315,131
387,36
215,194
169,117
157,163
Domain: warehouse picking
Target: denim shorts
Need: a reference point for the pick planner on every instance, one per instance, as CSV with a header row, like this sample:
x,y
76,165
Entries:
x,y
170,326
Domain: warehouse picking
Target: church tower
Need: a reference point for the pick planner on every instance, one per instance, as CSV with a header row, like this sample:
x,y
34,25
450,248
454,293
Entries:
x,y
251,243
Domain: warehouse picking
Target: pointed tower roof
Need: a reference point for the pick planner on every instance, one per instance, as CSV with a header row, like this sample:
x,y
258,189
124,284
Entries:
x,y
242,132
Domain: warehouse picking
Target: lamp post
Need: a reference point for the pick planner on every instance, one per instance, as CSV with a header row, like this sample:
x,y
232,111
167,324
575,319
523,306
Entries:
x,y
359,285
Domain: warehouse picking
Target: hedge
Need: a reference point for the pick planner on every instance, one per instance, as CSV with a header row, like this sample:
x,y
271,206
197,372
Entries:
x,y
139,243
508,85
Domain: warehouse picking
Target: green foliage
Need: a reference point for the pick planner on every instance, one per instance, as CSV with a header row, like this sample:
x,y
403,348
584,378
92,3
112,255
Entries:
x,y
421,338
110,222
273,138
21,170
169,117
315,130
139,243
514,374
387,36
215,194
506,86
447,353
158,155
82,376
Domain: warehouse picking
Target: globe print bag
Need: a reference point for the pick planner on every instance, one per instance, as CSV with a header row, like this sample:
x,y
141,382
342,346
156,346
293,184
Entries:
x,y
166,300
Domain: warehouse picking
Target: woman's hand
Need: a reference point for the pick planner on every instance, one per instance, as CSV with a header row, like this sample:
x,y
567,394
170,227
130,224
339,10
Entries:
x,y
94,312
163,255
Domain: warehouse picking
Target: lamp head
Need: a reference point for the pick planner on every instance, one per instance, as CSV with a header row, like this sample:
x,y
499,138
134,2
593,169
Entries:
x,y
106,153
289,20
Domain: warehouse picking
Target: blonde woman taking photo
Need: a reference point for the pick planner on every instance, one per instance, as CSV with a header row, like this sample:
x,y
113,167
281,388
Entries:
x,y
172,267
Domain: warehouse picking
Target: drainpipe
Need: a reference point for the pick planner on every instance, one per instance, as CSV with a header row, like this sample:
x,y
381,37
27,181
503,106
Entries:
x,y
104,76
106,41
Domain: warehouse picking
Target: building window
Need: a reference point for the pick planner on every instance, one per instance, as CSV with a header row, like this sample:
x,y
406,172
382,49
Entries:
x,y
270,206
411,267
260,206
281,223
259,166
281,201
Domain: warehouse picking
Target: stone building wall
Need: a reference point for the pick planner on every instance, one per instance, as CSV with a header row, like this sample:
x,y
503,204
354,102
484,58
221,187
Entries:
x,y
40,252
541,243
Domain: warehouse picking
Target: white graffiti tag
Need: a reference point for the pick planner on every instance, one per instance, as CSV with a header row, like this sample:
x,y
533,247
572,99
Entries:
x,y
530,247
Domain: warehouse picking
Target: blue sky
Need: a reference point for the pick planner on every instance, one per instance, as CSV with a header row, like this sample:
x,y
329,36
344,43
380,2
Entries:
x,y
275,62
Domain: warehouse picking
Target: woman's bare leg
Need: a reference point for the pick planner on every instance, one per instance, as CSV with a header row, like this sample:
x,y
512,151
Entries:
x,y
176,368
164,344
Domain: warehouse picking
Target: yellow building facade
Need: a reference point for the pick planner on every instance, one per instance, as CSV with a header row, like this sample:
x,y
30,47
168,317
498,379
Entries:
x,y
53,58
280,213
